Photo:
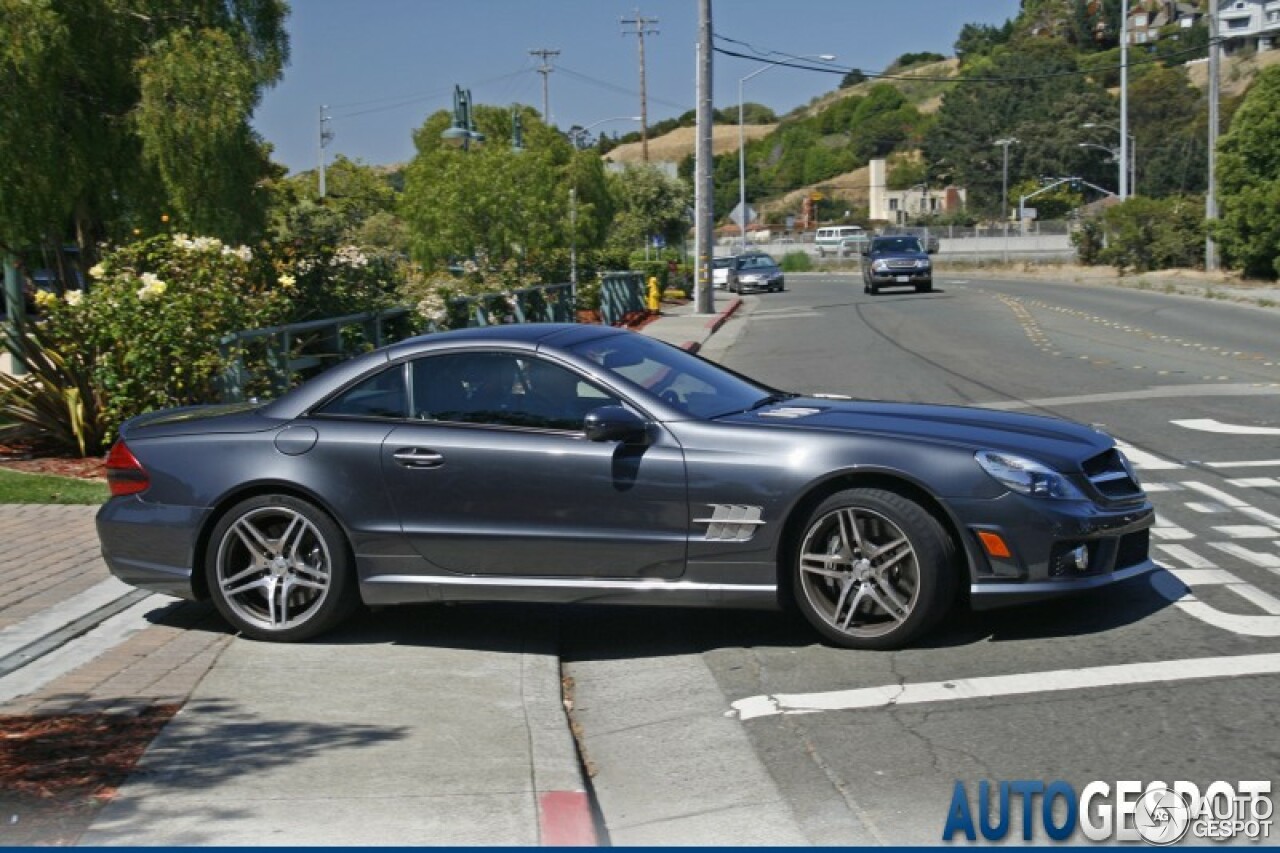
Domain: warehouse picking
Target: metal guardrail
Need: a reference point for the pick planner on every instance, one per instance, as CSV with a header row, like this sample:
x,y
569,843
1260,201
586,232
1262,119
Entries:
x,y
286,353
282,355
621,293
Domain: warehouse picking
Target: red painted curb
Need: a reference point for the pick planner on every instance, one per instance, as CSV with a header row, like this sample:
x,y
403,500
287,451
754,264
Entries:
x,y
691,346
564,819
717,321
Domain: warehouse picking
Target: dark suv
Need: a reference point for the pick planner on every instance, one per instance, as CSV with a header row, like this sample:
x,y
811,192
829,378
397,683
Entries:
x,y
899,259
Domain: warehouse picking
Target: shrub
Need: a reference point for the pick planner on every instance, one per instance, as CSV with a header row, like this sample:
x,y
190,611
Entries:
x,y
1144,234
148,331
796,262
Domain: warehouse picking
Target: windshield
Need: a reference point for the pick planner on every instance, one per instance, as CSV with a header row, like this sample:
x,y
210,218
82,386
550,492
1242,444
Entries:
x,y
755,262
722,263
896,244
690,384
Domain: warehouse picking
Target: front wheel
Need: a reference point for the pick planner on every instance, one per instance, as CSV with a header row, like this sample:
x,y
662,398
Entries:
x,y
874,570
279,569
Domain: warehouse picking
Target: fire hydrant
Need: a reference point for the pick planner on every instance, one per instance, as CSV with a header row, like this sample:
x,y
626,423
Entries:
x,y
655,294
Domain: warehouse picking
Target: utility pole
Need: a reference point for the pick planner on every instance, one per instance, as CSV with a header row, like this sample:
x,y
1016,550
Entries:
x,y
642,29
1124,100
545,70
703,293
326,136
1004,191
1211,192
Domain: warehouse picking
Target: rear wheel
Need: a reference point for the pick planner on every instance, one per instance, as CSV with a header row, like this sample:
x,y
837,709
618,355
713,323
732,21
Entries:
x,y
279,569
874,570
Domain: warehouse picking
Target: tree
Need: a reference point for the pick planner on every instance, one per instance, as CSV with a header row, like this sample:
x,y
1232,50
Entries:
x,y
853,78
647,204
1040,102
1249,181
115,116
492,203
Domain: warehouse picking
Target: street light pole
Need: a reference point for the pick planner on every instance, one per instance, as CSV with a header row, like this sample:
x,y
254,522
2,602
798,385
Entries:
x,y
583,130
1124,100
1131,164
742,140
704,294
1004,191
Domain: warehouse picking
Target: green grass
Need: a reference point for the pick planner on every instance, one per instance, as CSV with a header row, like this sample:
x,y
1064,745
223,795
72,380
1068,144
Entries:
x,y
17,487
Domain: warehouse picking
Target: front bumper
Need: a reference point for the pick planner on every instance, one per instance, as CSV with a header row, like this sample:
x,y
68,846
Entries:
x,y
903,276
1043,538
760,283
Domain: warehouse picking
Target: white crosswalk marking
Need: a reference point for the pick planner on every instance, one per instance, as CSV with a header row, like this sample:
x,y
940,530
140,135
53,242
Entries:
x,y
1256,483
1246,531
1261,559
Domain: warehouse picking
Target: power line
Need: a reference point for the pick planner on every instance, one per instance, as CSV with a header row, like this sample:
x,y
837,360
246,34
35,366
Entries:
x,y
614,87
408,100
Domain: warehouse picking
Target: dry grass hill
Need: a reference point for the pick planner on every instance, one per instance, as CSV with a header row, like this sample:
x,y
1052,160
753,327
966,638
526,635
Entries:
x,y
675,146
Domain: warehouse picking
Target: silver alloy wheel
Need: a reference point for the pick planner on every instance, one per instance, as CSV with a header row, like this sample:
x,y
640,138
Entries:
x,y
859,572
273,568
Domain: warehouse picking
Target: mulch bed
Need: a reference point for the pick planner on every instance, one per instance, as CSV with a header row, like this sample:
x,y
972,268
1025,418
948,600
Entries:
x,y
20,457
57,772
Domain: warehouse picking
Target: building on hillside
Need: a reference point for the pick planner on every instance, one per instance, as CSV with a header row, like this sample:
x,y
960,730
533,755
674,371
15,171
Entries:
x,y
897,207
1149,20
1245,24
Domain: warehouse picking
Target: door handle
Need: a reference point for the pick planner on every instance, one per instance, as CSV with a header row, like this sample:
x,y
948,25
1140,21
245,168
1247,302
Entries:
x,y
418,457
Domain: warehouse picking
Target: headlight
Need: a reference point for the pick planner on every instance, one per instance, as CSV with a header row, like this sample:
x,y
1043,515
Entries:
x,y
1027,476
922,264
880,266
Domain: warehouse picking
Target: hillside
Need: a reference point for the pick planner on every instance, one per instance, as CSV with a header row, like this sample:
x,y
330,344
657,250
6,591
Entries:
x,y
1237,72
679,143
925,95
853,188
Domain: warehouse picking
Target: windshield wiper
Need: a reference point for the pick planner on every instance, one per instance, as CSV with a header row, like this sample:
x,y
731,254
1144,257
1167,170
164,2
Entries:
x,y
772,398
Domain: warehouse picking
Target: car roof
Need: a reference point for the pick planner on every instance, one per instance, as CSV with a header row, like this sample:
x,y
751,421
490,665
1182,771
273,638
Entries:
x,y
520,336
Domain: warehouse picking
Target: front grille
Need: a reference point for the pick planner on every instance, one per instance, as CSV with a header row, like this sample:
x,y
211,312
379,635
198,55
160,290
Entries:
x,y
1110,476
1133,549
900,265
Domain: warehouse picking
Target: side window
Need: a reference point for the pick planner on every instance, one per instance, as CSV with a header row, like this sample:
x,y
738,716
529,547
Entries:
x,y
502,389
379,396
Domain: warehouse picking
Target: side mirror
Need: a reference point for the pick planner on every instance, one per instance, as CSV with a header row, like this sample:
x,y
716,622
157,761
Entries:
x,y
614,423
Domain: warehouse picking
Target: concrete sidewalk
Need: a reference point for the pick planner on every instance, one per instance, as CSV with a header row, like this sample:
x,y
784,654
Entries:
x,y
415,725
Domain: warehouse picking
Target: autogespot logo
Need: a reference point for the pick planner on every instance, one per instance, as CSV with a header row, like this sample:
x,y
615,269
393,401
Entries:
x,y
1156,813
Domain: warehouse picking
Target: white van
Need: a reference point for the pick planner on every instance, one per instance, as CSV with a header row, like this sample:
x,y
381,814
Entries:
x,y
840,240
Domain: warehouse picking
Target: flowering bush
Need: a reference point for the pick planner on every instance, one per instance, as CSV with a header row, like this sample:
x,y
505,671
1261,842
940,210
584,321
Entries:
x,y
150,325
434,294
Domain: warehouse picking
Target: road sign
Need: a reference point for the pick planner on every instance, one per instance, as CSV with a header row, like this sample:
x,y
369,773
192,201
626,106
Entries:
x,y
736,215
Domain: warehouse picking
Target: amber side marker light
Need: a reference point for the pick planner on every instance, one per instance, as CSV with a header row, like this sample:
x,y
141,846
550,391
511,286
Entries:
x,y
994,544
125,474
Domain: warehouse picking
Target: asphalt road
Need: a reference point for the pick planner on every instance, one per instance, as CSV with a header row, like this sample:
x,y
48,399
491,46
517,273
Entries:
x,y
1175,676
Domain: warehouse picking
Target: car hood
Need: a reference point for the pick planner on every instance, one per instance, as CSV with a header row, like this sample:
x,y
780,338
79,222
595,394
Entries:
x,y
1059,443
197,420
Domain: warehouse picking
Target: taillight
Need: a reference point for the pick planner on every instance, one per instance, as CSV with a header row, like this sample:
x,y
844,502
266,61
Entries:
x,y
125,474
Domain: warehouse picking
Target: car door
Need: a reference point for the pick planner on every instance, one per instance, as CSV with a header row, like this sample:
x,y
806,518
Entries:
x,y
493,475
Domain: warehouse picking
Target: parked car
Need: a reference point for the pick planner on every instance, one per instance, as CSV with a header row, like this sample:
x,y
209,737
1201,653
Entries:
x,y
579,463
894,260
722,269
754,271
839,240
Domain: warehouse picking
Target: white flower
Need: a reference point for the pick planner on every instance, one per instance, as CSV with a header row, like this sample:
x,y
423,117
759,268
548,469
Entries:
x,y
287,280
244,253
97,271
206,244
152,287
349,256
75,297
432,308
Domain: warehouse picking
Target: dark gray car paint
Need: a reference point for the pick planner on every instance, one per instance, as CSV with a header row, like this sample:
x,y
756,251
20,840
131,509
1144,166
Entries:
x,y
543,515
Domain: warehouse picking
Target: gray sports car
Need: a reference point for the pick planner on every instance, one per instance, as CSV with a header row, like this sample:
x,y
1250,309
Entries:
x,y
577,463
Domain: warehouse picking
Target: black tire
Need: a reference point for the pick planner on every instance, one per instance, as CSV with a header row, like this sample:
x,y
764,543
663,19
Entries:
x,y
872,289
859,598
925,287
271,554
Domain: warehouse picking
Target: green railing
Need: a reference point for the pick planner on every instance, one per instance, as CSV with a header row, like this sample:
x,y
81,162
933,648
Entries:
x,y
270,361
621,293
283,355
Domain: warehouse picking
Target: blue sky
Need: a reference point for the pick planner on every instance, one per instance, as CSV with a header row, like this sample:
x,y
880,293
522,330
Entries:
x,y
383,66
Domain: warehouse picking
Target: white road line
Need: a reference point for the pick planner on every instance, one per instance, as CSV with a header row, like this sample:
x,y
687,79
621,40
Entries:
x,y
986,687
1185,556
1213,425
1235,503
1257,463
1261,559
1153,488
1255,483
1246,531
1207,508
1166,529
1145,461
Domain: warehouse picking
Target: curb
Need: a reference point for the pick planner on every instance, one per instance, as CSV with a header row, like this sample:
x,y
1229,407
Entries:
x,y
713,325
